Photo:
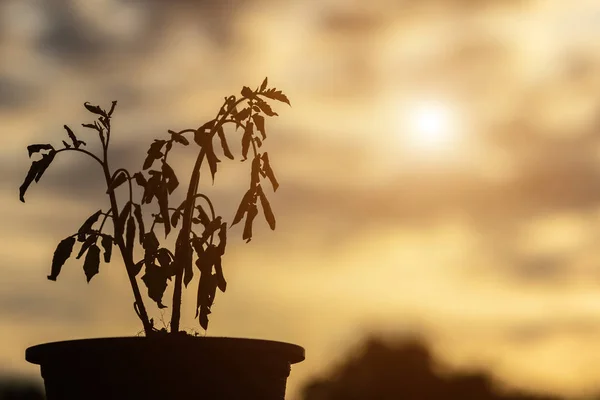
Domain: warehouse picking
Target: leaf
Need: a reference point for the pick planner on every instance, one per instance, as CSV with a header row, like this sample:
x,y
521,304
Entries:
x,y
72,136
269,172
202,215
210,229
112,108
122,218
86,245
92,126
276,95
247,92
263,86
150,242
139,179
175,218
155,279
94,109
179,138
36,148
137,267
222,238
246,139
252,212
255,171
130,235
266,108
91,265
33,171
259,120
87,226
266,208
221,282
188,271
67,145
107,242
61,254
163,205
117,181
243,114
243,207
154,153
44,164
137,213
224,144
170,177
164,258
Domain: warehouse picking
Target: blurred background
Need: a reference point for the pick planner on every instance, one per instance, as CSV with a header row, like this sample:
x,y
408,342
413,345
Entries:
x,y
439,173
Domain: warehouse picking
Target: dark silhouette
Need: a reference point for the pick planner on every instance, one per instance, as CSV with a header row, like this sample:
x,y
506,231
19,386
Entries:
x,y
20,389
400,370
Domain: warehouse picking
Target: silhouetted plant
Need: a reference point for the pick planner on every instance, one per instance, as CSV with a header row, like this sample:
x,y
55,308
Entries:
x,y
198,229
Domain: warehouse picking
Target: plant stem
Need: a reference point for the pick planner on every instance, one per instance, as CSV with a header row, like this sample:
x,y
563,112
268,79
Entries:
x,y
127,257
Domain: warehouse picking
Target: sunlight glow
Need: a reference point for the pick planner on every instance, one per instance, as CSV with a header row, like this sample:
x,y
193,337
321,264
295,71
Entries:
x,y
430,127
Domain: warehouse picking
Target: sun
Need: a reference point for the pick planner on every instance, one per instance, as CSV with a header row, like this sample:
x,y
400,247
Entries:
x,y
430,126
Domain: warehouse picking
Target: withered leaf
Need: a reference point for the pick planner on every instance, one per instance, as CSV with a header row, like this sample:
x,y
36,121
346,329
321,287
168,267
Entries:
x,y
87,226
36,148
224,144
269,172
61,255
170,177
44,164
86,245
137,213
163,205
122,218
130,235
243,114
67,145
154,153
179,138
117,181
139,179
107,243
112,108
221,282
222,238
155,279
255,171
72,136
202,215
266,108
259,120
252,212
247,92
94,109
31,174
266,208
186,260
243,207
91,265
247,139
150,242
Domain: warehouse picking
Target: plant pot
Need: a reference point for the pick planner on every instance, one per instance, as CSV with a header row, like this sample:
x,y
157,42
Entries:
x,y
170,366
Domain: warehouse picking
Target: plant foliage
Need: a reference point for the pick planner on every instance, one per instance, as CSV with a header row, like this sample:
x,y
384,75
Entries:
x,y
201,235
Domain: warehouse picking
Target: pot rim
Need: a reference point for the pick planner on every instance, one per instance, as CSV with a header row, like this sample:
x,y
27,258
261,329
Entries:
x,y
38,354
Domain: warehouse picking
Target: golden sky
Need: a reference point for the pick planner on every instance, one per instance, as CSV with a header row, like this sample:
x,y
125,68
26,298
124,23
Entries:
x,y
439,171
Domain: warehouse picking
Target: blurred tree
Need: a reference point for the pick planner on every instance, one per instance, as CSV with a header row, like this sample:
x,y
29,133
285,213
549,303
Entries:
x,y
403,370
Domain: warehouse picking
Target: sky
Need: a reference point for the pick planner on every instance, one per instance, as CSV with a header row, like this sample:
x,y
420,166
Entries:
x,y
438,172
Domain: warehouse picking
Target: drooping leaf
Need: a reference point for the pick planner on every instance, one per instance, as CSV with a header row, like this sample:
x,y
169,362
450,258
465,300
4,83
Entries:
x,y
36,148
91,265
221,282
122,218
224,144
202,215
255,171
139,179
152,186
31,174
163,205
247,139
164,258
252,212
87,226
61,254
186,260
222,238
243,114
266,108
154,153
44,164
210,229
266,167
94,109
276,95
107,243
130,235
117,181
263,86
151,243
86,245
179,138
170,177
137,213
269,216
247,92
155,279
243,207
175,218
259,120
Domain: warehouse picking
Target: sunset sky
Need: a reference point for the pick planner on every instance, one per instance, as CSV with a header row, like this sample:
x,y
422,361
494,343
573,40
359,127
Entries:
x,y
439,171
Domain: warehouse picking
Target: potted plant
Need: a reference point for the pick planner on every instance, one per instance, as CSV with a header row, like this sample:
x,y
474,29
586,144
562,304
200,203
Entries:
x,y
167,364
